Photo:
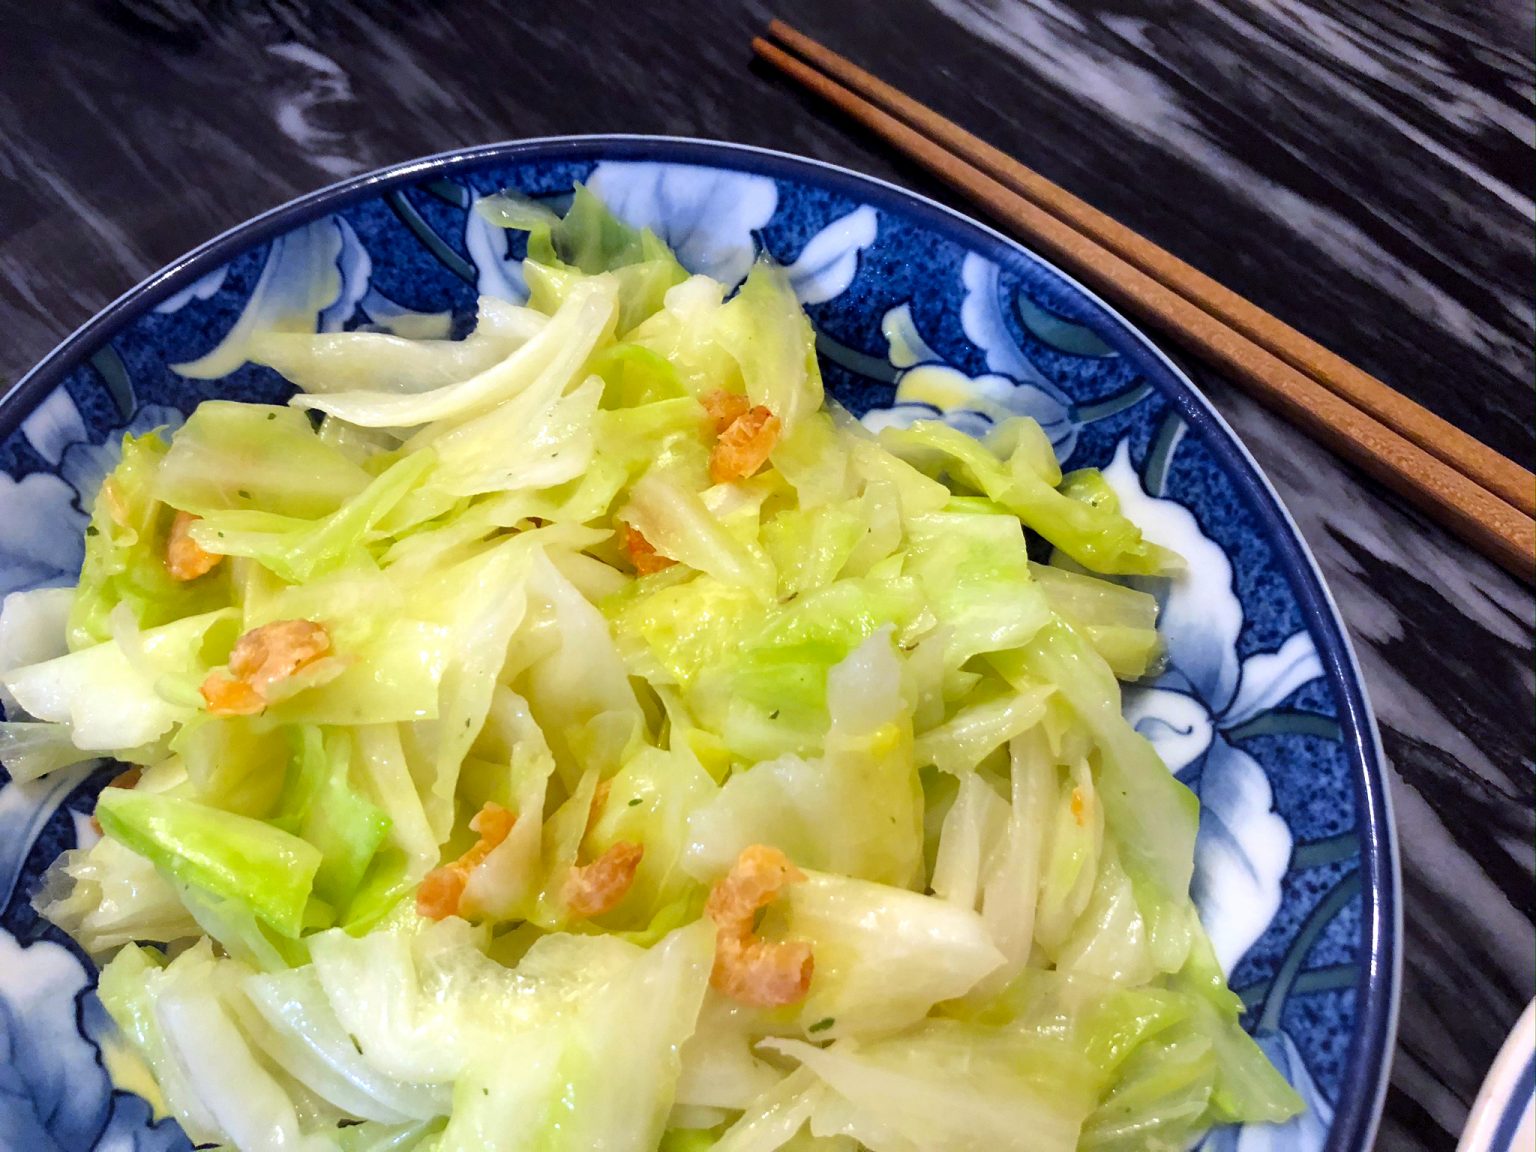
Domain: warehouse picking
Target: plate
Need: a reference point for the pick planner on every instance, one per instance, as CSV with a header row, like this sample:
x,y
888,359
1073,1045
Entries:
x,y
1503,1117
920,313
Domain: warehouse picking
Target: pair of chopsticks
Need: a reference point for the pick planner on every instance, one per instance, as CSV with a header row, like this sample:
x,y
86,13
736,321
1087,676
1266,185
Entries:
x,y
1462,484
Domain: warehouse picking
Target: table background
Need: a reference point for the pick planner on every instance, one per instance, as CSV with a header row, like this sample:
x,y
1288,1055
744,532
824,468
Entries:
x,y
1361,168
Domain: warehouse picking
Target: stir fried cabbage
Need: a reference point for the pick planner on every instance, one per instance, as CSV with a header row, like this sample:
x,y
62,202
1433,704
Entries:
x,y
581,736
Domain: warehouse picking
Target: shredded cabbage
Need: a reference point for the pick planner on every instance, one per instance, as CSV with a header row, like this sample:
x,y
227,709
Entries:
x,y
585,737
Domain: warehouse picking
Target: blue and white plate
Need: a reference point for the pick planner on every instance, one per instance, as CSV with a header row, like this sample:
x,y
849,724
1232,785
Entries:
x,y
921,313
1503,1118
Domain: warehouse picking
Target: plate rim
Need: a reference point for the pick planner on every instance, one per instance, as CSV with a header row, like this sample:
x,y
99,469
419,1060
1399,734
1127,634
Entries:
x,y
1508,1092
1378,989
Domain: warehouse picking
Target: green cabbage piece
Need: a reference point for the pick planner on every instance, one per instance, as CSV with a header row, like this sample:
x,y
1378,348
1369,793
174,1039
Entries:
x,y
298,1029
771,340
298,550
720,1070
183,1019
586,241
553,1034
269,870
947,1085
1081,516
557,351
1152,816
347,361
684,333
1120,622
236,763
681,526
974,571
320,805
777,1117
509,882
758,675
30,749
33,628
604,1077
579,683
884,955
254,457
123,693
108,895
650,801
856,810
125,553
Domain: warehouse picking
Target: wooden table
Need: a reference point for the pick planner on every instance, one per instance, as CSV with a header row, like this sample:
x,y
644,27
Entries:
x,y
1362,169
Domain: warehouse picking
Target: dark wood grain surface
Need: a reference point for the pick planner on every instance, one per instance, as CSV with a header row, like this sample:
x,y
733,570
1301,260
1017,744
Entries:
x,y
1364,169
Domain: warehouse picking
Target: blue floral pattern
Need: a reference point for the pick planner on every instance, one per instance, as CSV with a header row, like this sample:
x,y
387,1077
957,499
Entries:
x,y
55,1095
927,388
918,316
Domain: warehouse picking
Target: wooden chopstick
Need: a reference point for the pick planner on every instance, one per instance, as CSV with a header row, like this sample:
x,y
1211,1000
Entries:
x,y
1438,437
1448,495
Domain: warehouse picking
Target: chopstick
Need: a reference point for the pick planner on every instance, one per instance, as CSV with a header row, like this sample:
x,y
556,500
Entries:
x,y
1465,486
1440,438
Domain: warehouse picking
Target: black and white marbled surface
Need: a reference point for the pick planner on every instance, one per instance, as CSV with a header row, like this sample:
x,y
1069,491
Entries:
x,y
1362,168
